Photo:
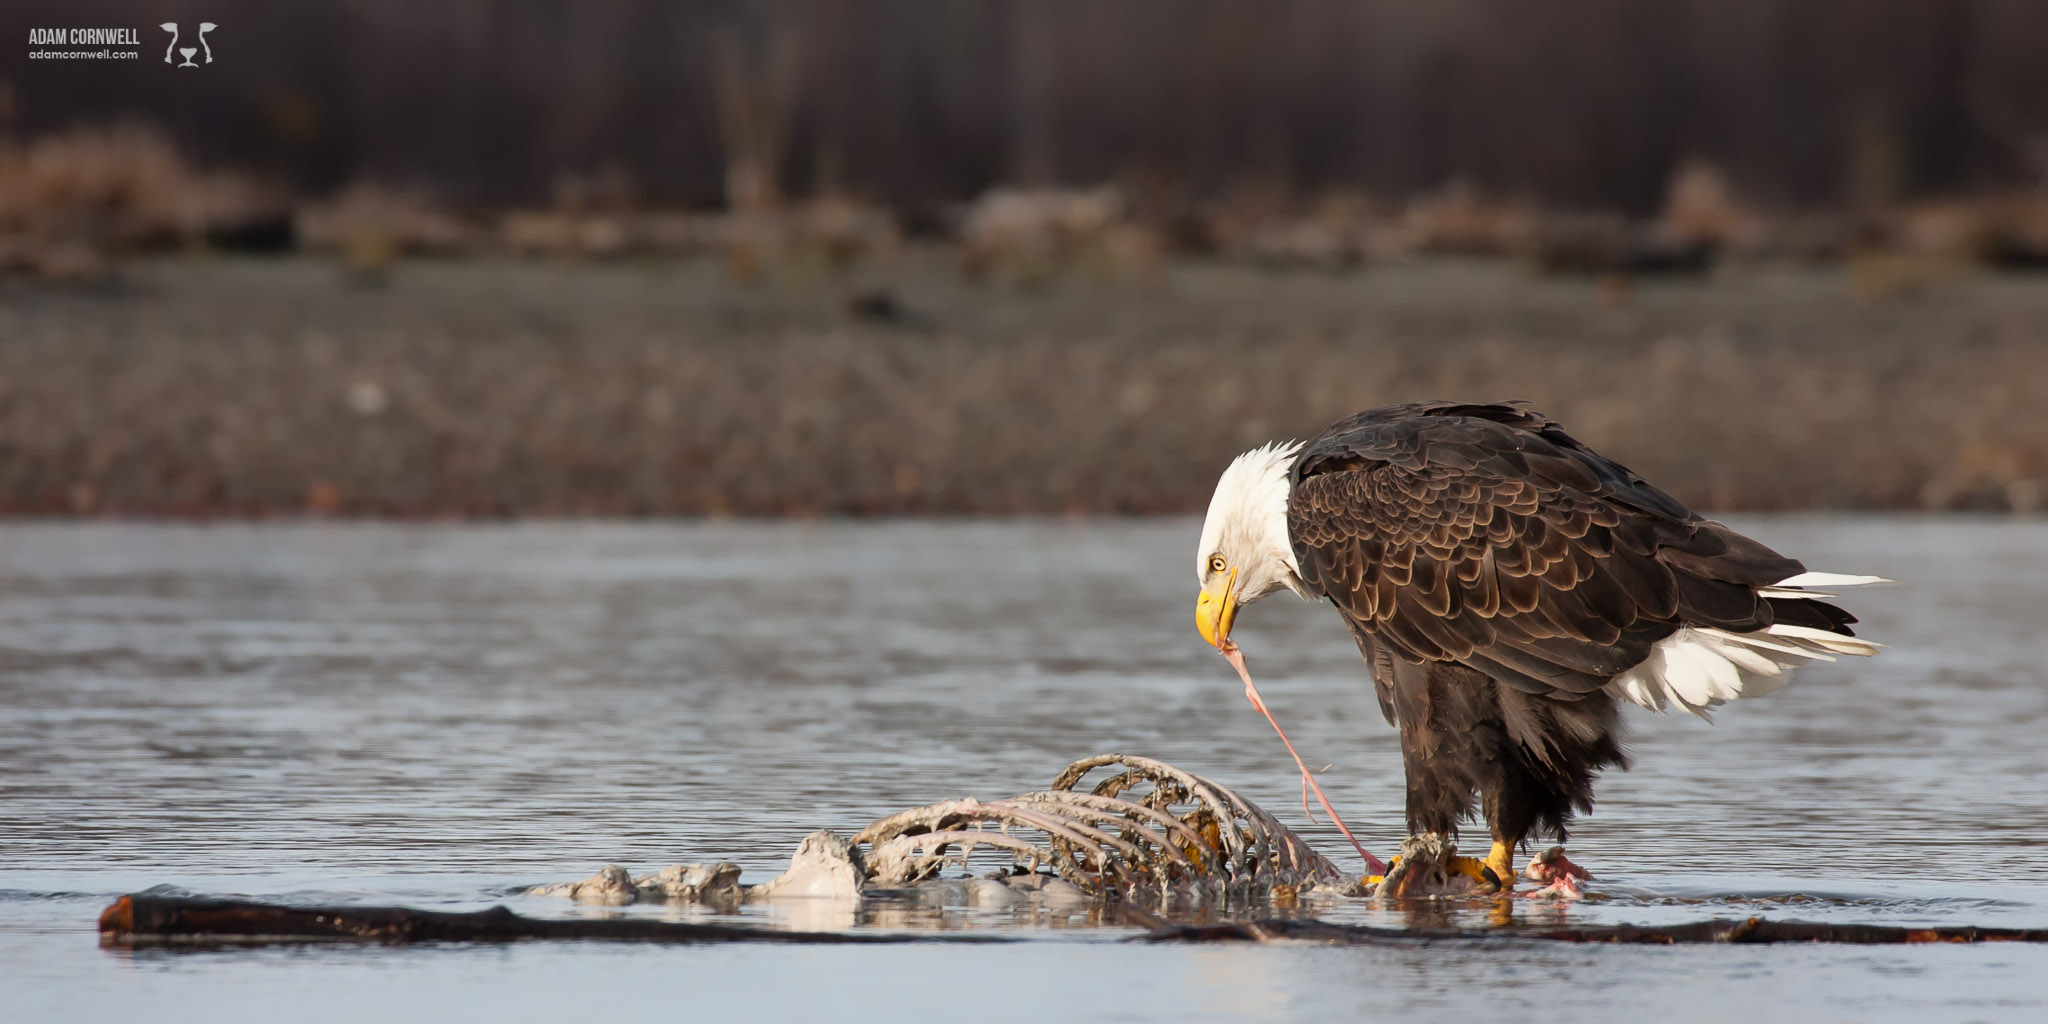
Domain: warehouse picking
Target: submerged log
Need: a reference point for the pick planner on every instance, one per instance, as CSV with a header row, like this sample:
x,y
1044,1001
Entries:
x,y
143,919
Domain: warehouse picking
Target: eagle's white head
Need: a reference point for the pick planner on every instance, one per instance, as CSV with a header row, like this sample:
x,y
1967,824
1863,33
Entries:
x,y
1245,553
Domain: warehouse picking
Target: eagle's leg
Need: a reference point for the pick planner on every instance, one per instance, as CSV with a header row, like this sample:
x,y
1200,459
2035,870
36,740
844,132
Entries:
x,y
1440,792
1510,800
1535,784
1448,747
1510,820
1501,861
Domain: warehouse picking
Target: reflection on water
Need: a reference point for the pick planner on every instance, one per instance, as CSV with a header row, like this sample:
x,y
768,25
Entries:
x,y
439,715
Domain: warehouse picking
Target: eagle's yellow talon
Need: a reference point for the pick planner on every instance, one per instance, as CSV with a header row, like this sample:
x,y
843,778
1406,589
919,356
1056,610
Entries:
x,y
1381,879
1502,861
1478,871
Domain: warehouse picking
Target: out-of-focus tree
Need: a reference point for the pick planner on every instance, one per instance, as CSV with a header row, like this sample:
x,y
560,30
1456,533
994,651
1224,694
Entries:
x,y
1575,103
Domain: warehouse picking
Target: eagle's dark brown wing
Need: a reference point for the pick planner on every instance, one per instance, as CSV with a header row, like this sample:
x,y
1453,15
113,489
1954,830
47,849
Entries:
x,y
1486,535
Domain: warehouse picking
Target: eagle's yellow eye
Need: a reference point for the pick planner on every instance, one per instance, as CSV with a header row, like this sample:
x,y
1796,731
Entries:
x,y
1216,563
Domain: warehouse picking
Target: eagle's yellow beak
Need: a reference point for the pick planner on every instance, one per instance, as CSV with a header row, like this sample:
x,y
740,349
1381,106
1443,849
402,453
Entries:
x,y
1213,613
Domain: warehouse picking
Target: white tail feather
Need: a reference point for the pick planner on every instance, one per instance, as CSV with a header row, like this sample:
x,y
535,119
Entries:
x,y
1699,667
1836,642
1763,640
1830,579
1796,587
1748,662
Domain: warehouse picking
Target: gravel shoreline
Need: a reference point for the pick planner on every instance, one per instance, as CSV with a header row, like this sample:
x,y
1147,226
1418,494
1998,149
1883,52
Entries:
x,y
203,388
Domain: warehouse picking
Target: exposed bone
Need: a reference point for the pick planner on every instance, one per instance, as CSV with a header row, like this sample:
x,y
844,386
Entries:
x,y
611,885
1151,830
614,885
693,883
901,863
825,865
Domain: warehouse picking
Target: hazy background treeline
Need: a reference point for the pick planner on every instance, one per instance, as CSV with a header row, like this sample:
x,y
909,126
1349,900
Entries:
x,y
914,104
936,257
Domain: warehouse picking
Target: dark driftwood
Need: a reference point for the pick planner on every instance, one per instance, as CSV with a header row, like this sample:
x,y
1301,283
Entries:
x,y
143,919
1745,930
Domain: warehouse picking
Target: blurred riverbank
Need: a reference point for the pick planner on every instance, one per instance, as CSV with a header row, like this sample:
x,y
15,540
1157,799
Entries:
x,y
229,387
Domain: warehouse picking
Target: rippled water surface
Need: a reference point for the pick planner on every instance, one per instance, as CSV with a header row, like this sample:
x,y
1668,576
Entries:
x,y
436,715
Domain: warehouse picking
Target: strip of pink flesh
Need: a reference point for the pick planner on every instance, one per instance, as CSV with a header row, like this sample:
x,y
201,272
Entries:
x,y
1236,658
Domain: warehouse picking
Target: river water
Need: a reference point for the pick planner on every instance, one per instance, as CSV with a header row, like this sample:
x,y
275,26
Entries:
x,y
436,715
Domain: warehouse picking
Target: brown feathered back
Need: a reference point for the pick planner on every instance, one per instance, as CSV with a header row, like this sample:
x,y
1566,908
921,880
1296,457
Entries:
x,y
1486,535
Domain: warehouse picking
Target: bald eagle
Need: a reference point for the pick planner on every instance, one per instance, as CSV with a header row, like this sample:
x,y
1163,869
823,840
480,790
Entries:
x,y
1508,586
